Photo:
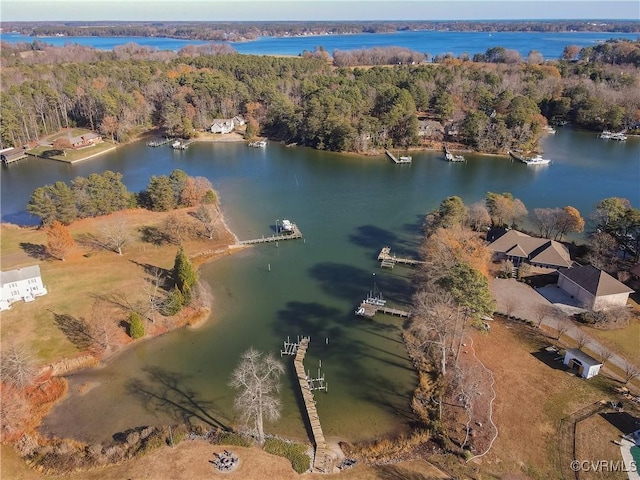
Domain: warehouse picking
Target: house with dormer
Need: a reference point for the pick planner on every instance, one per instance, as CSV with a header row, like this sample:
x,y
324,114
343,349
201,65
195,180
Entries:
x,y
20,284
519,248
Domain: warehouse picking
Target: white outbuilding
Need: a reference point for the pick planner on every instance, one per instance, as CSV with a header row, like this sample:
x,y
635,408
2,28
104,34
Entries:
x,y
585,365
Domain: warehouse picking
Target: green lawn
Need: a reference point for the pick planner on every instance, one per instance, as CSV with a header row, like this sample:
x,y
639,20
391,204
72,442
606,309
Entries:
x,y
624,341
71,156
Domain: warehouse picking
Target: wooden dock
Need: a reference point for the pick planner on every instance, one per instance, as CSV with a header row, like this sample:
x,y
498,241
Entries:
x,y
160,142
322,459
402,159
369,310
387,260
296,233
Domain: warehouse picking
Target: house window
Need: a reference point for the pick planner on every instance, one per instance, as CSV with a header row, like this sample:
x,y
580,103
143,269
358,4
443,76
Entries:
x,y
15,294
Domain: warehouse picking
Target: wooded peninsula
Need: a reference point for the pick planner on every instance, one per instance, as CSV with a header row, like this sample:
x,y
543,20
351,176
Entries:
x,y
493,102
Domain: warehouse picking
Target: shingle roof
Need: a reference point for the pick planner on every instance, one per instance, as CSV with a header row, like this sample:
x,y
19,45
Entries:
x,y
537,250
595,281
583,357
19,274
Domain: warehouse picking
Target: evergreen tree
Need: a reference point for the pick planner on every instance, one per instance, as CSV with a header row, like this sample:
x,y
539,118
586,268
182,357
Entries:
x,y
42,205
136,325
160,193
184,273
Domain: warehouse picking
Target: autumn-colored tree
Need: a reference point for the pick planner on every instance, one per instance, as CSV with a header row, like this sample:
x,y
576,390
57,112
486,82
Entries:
x,y
59,240
194,191
447,247
570,221
61,143
504,208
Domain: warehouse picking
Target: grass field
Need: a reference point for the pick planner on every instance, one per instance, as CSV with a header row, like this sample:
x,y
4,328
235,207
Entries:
x,y
623,340
88,272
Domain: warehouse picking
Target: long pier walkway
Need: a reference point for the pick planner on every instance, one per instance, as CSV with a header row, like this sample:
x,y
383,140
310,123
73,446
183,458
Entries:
x,y
321,458
405,159
296,233
389,261
369,309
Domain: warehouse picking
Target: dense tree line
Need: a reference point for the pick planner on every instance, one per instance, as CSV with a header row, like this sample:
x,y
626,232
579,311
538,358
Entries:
x,y
248,30
497,106
105,193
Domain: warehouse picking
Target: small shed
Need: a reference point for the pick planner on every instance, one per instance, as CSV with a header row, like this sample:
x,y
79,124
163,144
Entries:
x,y
585,365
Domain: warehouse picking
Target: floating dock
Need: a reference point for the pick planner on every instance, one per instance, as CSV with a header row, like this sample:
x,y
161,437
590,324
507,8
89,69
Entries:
x,y
322,459
369,308
178,145
402,159
159,143
294,234
389,261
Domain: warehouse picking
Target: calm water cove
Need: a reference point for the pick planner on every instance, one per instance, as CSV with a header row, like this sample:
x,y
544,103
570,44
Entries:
x,y
347,207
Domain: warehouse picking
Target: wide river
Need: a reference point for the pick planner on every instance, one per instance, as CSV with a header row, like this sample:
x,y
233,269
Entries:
x,y
433,42
347,207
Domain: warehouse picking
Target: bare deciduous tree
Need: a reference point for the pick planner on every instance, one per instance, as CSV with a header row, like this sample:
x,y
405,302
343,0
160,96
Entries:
x,y
582,339
631,371
434,323
18,366
562,325
208,214
257,377
116,234
605,355
153,290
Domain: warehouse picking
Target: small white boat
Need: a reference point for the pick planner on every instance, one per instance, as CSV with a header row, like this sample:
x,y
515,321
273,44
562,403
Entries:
x,y
458,158
606,135
537,160
175,144
551,130
258,144
620,136
286,227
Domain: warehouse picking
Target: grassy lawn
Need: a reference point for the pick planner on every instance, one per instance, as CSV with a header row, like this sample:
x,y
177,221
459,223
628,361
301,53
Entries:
x,y
624,340
88,272
533,393
73,155
594,441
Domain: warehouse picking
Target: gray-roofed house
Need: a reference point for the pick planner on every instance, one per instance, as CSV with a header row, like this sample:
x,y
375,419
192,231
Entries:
x,y
594,288
86,140
585,365
520,247
20,284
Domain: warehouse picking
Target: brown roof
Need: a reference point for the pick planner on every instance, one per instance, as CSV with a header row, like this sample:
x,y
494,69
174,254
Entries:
x,y
537,250
595,281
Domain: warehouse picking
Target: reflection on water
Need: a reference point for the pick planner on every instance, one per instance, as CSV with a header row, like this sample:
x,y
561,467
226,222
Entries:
x,y
347,207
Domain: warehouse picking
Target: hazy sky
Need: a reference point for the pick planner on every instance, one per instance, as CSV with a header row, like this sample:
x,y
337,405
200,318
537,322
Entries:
x,y
239,10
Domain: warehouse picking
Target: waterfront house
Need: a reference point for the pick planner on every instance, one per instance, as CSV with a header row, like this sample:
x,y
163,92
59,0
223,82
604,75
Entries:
x,y
519,247
594,288
239,120
86,140
222,125
20,284
585,365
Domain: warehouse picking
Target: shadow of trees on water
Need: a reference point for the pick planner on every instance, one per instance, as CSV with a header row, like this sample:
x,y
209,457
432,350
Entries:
x,y
169,392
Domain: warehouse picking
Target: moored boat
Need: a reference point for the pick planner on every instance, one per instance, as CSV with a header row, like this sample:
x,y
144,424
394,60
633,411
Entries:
x,y
537,160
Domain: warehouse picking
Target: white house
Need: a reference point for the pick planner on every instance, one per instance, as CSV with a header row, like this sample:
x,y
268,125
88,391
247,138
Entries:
x,y
586,365
594,288
239,120
21,284
221,125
